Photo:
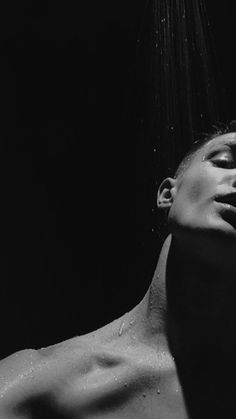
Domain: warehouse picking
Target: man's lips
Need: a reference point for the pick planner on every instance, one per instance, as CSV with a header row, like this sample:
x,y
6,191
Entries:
x,y
227,207
228,199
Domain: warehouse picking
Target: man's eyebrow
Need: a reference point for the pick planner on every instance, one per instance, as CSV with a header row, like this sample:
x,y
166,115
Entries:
x,y
215,147
229,143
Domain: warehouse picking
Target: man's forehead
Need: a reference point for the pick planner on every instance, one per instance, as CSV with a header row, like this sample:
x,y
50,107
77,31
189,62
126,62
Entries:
x,y
217,141
203,151
221,139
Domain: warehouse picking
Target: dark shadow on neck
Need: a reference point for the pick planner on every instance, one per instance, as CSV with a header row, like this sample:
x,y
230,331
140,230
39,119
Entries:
x,y
203,342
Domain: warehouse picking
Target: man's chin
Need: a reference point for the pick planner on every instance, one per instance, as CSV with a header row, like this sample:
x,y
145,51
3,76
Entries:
x,y
212,245
222,231
216,233
226,215
219,241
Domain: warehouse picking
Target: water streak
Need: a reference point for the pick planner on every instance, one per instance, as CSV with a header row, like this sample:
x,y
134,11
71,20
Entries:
x,y
121,328
184,85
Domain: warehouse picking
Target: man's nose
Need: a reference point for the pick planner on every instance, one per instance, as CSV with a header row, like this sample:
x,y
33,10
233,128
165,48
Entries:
x,y
233,179
229,179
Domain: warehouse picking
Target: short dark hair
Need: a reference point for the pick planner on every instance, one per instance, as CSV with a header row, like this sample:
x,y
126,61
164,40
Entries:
x,y
219,129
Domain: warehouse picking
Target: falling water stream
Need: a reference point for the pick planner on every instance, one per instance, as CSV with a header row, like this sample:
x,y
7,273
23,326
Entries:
x,y
180,81
183,72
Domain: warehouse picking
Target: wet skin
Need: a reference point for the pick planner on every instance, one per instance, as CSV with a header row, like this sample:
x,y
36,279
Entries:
x,y
102,375
172,356
199,210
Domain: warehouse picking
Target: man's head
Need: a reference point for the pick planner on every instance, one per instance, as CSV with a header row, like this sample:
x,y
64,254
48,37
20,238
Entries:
x,y
198,144
201,198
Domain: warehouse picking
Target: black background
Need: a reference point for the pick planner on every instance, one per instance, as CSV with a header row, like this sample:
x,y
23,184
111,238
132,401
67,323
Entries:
x,y
78,180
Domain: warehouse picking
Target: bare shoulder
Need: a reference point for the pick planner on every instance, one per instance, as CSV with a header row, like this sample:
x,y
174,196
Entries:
x,y
15,366
78,375
14,371
50,373
29,374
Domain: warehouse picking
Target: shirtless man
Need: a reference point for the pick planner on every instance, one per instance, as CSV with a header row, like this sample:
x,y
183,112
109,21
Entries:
x,y
173,355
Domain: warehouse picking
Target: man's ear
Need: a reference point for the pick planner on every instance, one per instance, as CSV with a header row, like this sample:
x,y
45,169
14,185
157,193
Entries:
x,y
166,192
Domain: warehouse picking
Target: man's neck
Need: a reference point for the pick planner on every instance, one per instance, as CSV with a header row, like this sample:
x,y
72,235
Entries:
x,y
188,303
187,315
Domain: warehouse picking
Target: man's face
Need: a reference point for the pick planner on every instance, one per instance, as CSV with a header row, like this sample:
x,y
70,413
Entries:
x,y
204,198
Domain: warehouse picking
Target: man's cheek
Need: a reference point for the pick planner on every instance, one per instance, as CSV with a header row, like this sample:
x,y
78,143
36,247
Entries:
x,y
197,190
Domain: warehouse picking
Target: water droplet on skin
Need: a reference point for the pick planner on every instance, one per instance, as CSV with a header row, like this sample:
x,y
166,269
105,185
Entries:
x,y
121,328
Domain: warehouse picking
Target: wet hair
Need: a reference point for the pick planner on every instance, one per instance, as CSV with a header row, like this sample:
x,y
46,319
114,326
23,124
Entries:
x,y
218,130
